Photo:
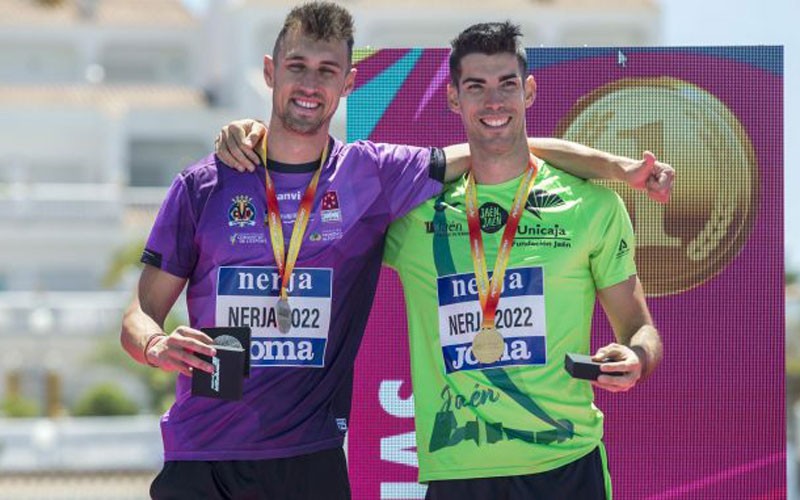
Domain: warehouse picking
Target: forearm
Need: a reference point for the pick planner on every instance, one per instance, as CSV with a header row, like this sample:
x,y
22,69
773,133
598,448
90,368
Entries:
x,y
457,161
579,160
137,329
646,343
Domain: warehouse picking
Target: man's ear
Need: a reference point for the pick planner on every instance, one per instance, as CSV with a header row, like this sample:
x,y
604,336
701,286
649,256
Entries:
x,y
452,99
349,82
530,91
269,71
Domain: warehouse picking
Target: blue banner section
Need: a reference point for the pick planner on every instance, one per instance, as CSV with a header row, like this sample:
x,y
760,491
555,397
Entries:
x,y
766,57
287,351
458,288
518,351
265,282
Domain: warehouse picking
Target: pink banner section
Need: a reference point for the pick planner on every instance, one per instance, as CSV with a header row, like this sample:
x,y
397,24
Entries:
x,y
711,422
381,443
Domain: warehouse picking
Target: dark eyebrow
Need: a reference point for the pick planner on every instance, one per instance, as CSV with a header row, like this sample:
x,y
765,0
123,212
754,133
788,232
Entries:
x,y
291,59
473,80
504,78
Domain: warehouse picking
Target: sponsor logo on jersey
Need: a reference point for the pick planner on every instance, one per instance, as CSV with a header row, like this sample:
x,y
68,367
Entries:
x,y
623,248
332,234
248,239
539,201
444,228
542,235
492,217
293,196
330,210
242,212
341,423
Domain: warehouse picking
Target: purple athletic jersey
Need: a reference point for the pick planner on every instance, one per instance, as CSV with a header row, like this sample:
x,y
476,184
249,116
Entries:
x,y
211,229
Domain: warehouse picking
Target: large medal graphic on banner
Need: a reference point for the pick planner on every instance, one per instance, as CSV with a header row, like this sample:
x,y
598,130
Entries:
x,y
686,242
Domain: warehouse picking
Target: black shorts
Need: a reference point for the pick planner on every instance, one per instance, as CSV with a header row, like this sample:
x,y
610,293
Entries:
x,y
583,479
306,477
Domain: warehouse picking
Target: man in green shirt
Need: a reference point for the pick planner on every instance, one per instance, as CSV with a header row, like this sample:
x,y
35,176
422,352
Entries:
x,y
497,415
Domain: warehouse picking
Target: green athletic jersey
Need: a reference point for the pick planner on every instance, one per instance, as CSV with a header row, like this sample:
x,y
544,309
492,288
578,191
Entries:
x,y
523,414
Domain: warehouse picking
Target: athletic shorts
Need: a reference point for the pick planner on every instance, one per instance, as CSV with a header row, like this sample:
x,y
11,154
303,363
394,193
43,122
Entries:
x,y
306,477
584,479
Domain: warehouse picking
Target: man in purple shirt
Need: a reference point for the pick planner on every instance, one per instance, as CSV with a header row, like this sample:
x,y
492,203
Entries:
x,y
218,233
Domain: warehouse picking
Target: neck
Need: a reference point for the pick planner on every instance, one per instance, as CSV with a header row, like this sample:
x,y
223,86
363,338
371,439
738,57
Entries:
x,y
495,167
287,146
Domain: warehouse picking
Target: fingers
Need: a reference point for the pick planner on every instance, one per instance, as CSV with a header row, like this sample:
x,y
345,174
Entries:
x,y
244,140
248,134
620,383
660,178
258,132
649,159
222,149
239,150
178,351
620,361
234,146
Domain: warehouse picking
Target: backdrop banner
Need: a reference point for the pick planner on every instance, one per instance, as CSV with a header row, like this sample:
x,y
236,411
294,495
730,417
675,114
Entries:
x,y
710,423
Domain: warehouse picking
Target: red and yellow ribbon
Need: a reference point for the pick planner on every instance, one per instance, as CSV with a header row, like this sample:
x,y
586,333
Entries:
x,y
489,291
285,262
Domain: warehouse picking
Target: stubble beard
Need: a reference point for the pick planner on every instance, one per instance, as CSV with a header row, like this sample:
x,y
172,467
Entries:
x,y
303,125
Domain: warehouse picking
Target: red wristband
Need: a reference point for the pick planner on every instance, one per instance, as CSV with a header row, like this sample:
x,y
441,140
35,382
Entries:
x,y
148,344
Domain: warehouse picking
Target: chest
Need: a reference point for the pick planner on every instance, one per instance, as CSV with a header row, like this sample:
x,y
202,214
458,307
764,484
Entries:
x,y
552,237
232,228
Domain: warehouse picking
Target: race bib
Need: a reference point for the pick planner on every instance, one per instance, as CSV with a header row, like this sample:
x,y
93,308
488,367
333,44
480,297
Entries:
x,y
520,318
246,296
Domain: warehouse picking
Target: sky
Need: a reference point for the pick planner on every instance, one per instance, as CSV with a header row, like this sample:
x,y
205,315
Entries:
x,y
747,22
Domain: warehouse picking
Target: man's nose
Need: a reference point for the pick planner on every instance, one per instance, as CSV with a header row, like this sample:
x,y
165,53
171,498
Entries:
x,y
494,99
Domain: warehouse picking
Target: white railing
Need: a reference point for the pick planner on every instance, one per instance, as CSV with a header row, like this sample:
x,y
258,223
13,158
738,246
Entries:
x,y
85,443
68,313
37,201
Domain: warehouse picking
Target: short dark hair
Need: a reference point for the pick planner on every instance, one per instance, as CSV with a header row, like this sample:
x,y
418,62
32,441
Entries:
x,y
489,39
321,21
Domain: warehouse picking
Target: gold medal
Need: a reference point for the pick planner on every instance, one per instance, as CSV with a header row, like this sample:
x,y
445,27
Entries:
x,y
488,345
684,244
284,311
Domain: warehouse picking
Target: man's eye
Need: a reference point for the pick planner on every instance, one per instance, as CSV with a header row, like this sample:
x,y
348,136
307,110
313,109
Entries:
x,y
294,68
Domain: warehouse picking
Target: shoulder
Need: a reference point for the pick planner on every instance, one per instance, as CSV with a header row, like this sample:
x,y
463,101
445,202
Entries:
x,y
383,151
202,173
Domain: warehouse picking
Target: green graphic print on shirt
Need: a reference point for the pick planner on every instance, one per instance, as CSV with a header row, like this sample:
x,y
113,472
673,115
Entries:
x,y
523,414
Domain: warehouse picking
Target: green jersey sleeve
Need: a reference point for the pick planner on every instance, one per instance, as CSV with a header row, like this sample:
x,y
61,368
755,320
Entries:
x,y
612,260
394,242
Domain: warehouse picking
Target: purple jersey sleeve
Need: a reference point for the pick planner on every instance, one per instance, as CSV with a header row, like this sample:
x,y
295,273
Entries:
x,y
170,246
408,175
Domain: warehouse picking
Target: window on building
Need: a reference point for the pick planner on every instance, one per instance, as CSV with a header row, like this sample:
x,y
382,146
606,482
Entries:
x,y
156,162
139,64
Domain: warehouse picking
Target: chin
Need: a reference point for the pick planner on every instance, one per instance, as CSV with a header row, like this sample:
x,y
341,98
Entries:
x,y
304,127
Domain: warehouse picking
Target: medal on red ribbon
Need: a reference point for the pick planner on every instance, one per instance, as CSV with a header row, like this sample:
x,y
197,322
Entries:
x,y
488,344
285,261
